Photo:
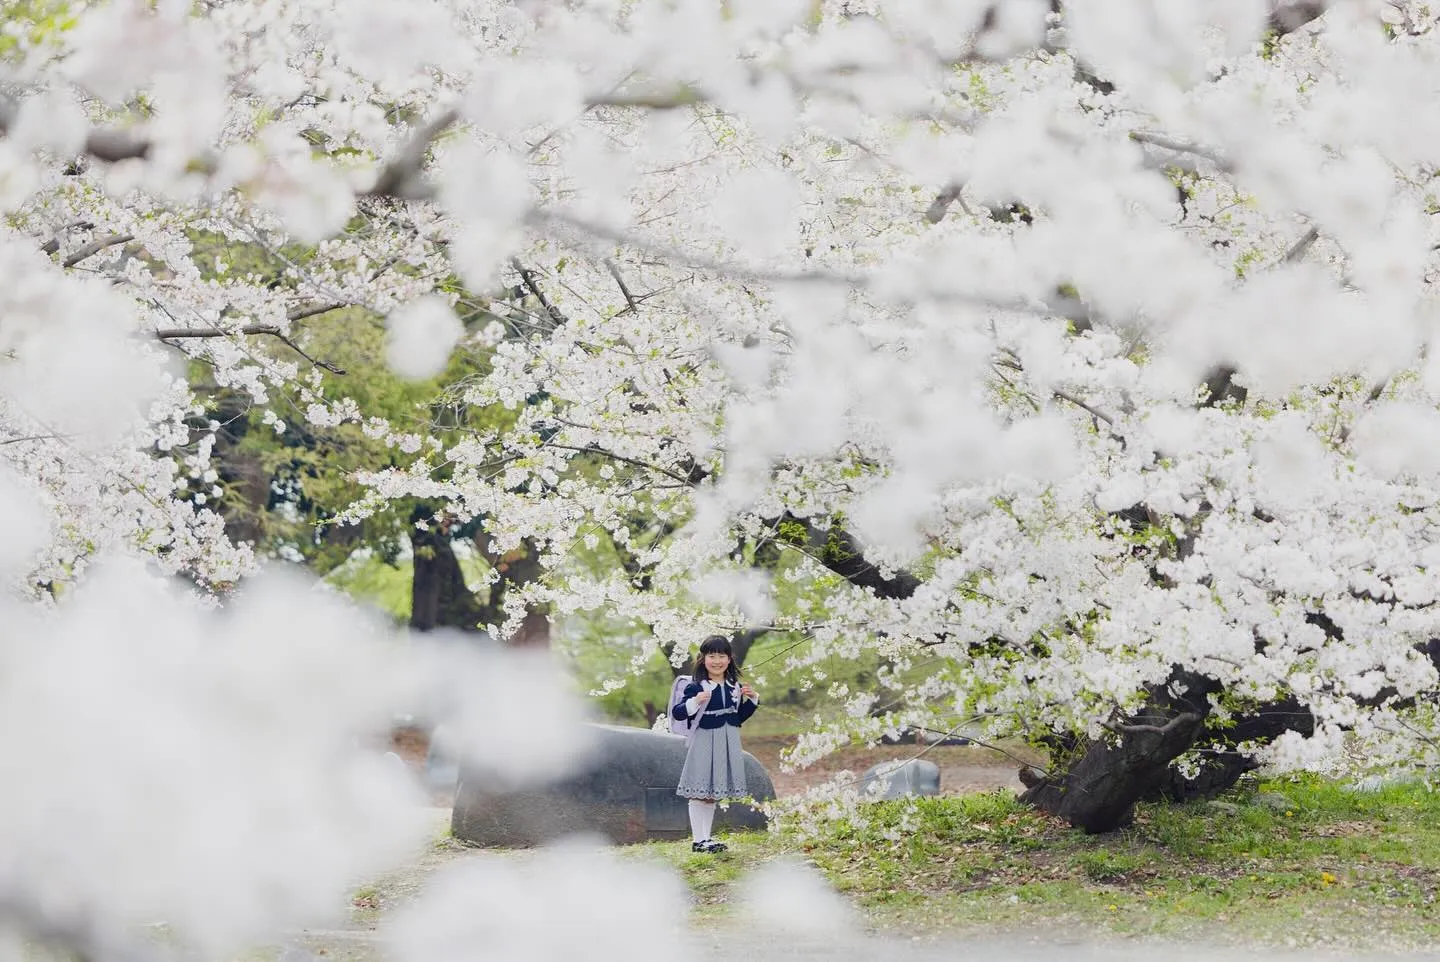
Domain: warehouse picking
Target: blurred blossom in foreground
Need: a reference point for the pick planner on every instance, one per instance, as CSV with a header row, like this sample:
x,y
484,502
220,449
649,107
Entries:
x,y
512,717
790,898
211,770
559,904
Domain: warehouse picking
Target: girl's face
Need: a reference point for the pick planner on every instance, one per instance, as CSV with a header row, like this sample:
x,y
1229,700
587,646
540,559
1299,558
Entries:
x,y
716,662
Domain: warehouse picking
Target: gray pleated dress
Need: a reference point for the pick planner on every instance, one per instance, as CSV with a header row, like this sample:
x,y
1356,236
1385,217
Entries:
x,y
715,765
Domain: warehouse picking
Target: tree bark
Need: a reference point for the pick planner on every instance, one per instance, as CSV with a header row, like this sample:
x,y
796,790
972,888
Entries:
x,y
240,470
439,597
1222,765
1287,16
1097,792
515,569
743,642
841,552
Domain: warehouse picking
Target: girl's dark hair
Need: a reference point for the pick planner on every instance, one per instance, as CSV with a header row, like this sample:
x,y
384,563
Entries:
x,y
712,644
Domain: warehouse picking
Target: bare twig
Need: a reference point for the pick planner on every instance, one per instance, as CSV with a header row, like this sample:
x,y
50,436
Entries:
x,y
1094,412
34,437
96,246
983,744
859,779
269,330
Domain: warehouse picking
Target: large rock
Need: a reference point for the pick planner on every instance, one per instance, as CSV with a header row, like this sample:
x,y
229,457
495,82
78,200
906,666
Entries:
x,y
913,776
442,770
627,794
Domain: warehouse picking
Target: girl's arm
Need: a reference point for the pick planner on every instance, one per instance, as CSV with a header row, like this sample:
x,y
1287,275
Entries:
x,y
688,707
748,704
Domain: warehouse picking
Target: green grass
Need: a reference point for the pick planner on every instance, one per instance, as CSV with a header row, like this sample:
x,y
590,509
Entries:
x,y
1298,861
712,878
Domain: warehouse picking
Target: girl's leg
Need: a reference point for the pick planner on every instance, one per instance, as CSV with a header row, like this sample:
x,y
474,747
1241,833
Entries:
x,y
702,818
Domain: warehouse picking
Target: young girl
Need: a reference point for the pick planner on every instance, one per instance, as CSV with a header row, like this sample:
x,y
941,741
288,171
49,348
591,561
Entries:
x,y
714,767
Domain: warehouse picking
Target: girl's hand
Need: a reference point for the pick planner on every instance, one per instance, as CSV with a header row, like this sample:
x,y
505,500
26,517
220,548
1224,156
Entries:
x,y
747,692
702,698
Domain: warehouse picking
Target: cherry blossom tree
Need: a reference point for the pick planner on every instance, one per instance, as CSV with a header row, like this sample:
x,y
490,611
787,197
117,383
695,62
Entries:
x,y
1074,358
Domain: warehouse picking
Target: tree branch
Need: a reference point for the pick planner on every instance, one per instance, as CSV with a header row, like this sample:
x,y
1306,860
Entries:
x,y
672,99
1182,147
841,552
551,220
596,449
1220,386
311,310
632,305
95,247
34,437
1301,246
532,285
400,178
935,213
110,144
1088,408
172,333
268,330
1133,728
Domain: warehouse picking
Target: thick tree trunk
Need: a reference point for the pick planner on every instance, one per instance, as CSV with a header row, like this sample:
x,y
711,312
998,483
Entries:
x,y
439,597
1222,765
1098,791
743,642
534,630
1095,785
515,569
241,471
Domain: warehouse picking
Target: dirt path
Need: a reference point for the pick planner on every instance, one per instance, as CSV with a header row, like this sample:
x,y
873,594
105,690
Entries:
x,y
358,938
963,768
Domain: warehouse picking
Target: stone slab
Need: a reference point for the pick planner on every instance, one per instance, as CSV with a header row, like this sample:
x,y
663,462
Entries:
x,y
627,794
914,776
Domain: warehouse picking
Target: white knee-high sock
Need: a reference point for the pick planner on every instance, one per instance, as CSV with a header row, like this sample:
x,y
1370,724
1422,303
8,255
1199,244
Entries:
x,y
702,819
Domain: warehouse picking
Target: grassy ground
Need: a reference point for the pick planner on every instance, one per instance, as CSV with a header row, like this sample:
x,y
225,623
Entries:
x,y
1288,863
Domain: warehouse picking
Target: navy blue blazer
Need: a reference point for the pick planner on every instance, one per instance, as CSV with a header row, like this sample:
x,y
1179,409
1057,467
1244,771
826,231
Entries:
x,y
720,710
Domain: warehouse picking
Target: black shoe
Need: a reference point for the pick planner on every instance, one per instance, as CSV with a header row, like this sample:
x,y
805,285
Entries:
x,y
714,847
697,846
